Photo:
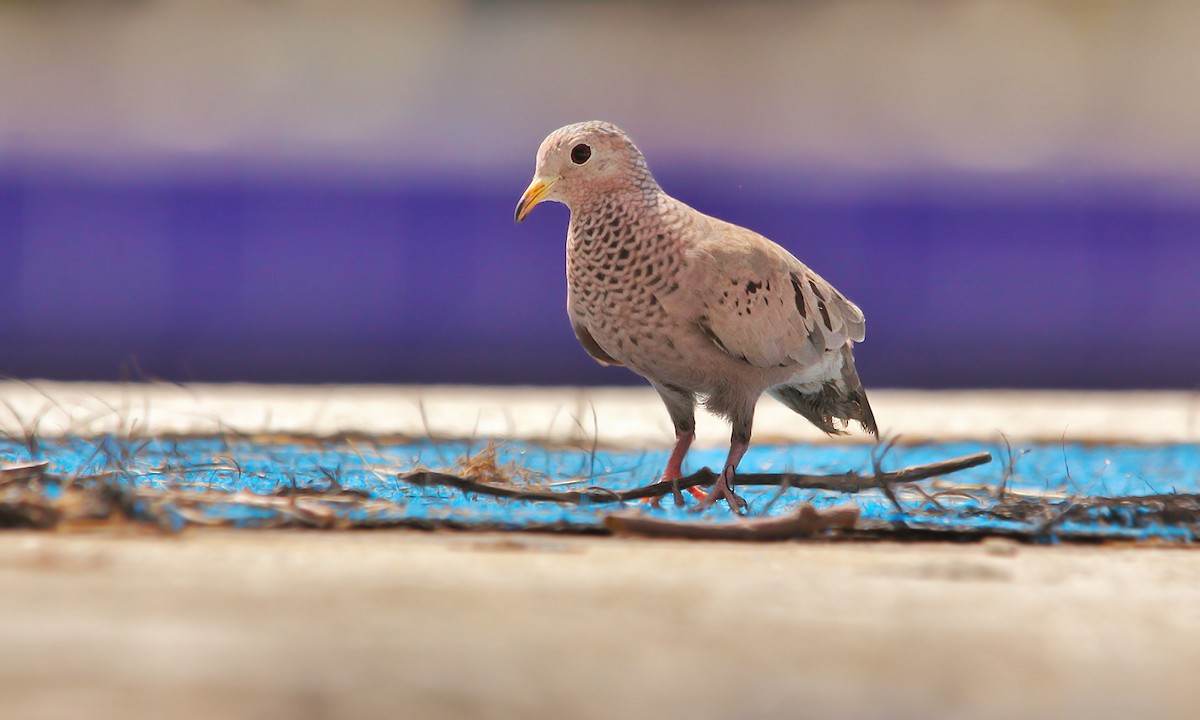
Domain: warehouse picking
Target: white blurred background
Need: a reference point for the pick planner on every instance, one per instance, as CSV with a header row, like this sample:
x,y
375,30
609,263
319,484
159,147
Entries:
x,y
1079,86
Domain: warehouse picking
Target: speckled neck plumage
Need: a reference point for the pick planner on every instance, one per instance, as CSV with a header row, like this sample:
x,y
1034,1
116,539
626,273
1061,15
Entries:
x,y
624,248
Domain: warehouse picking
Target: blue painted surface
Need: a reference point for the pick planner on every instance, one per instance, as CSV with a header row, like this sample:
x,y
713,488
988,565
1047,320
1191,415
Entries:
x,y
1051,473
326,276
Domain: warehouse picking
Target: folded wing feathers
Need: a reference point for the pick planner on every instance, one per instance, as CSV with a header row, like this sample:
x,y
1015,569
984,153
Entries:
x,y
829,318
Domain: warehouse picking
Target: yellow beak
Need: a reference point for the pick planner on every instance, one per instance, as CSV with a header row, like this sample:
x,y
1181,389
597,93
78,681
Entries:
x,y
534,194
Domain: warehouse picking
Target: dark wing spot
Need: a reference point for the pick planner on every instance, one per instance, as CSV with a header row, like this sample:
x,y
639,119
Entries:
x,y
824,315
800,306
752,287
816,290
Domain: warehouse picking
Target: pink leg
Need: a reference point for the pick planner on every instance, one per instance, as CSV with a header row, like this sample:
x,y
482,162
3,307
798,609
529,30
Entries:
x,y
683,441
723,489
674,471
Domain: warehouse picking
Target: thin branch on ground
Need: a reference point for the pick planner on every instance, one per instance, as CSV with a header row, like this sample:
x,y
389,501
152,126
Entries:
x,y
851,482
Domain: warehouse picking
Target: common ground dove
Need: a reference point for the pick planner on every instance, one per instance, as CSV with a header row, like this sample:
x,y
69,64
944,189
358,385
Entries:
x,y
703,309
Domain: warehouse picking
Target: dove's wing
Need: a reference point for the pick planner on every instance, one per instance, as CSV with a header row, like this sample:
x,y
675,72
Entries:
x,y
758,303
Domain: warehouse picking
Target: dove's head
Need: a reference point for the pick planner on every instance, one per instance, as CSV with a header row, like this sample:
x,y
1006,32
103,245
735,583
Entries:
x,y
584,161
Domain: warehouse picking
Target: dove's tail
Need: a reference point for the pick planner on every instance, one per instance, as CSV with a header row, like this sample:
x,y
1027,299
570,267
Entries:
x,y
841,399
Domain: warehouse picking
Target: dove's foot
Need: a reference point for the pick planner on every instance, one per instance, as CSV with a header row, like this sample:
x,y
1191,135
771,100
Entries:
x,y
723,490
674,478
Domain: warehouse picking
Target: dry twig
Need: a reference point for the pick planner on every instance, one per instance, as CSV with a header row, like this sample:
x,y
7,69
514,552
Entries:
x,y
850,482
806,520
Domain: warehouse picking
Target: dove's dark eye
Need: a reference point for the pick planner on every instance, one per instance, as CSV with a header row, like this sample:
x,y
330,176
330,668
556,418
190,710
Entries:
x,y
580,154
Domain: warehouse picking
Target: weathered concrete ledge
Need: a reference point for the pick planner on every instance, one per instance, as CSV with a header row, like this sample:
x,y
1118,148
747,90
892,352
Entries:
x,y
417,625
631,417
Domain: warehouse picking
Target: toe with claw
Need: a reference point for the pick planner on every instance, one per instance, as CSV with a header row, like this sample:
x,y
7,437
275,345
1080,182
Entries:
x,y
723,490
